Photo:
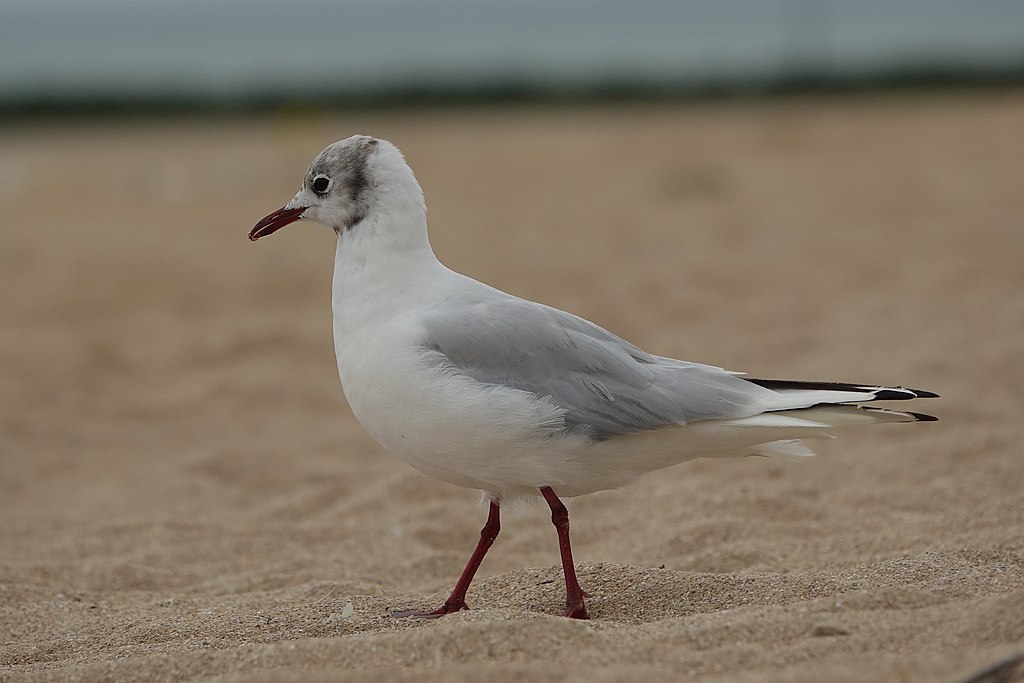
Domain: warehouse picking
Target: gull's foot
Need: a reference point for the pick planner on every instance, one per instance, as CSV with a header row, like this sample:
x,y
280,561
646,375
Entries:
x,y
576,610
446,608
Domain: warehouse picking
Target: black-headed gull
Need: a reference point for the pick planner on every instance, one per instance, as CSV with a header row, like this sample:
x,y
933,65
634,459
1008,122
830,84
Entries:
x,y
488,391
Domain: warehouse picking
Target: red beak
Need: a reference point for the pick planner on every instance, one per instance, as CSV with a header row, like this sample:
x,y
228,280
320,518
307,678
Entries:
x,y
276,221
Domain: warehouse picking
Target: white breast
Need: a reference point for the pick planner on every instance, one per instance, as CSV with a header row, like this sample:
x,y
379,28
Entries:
x,y
443,423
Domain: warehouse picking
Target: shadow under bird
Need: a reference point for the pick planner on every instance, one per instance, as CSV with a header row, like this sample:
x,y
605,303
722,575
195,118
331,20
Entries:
x,y
488,391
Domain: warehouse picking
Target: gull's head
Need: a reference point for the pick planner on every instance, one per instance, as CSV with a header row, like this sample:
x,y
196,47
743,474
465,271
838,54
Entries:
x,y
347,183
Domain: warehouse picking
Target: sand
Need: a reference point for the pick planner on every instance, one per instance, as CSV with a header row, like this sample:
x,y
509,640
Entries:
x,y
185,495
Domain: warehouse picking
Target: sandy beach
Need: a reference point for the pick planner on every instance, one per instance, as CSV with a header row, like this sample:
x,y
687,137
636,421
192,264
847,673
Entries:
x,y
185,495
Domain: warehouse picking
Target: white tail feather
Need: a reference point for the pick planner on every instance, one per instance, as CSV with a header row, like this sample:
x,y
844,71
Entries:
x,y
788,449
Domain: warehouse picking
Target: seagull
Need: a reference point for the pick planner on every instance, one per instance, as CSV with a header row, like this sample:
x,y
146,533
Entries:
x,y
484,390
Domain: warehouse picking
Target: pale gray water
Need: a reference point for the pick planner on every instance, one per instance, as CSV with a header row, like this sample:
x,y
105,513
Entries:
x,y
230,48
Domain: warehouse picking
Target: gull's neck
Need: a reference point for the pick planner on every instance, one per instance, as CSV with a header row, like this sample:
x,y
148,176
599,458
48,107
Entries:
x,y
382,265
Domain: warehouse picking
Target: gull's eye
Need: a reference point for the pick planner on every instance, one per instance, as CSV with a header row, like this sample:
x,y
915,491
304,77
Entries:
x,y
320,184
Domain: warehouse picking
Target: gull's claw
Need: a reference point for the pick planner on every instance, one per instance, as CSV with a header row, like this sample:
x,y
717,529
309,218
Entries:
x,y
439,612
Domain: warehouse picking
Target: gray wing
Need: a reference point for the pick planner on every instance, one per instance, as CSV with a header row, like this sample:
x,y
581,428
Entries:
x,y
605,385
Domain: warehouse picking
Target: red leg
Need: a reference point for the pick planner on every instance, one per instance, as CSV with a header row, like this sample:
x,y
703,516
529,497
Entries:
x,y
574,605
457,600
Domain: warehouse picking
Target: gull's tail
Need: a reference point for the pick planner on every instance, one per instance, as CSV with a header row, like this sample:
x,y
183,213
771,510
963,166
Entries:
x,y
815,397
800,410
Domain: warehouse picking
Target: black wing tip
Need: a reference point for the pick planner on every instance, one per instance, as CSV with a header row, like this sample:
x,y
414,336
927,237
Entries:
x,y
879,393
900,393
921,393
921,417
893,394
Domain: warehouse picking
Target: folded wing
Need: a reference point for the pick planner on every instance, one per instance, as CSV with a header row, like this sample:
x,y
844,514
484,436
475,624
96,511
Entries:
x,y
605,385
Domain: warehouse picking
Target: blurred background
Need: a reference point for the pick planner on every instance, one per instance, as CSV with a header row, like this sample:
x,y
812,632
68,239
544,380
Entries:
x,y
810,189
105,54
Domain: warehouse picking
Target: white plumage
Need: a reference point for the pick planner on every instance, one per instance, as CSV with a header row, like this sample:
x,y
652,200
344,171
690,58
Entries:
x,y
484,390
